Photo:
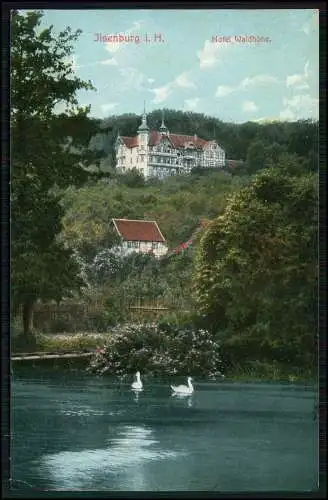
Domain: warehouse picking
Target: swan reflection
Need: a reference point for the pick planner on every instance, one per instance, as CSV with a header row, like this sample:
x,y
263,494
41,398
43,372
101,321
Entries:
x,y
187,398
136,393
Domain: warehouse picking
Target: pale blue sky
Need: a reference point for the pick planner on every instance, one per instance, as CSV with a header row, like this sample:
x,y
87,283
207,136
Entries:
x,y
233,81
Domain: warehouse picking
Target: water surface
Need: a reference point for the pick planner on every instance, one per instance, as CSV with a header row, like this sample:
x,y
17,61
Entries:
x,y
77,432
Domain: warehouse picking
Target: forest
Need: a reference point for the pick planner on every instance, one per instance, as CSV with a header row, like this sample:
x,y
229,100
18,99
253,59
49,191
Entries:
x,y
250,275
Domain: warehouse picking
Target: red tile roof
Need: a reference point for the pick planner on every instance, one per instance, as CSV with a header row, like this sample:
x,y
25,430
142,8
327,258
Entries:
x,y
130,142
138,230
202,224
177,140
182,246
155,138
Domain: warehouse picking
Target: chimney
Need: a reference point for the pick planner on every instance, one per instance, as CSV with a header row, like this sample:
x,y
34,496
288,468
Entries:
x,y
195,137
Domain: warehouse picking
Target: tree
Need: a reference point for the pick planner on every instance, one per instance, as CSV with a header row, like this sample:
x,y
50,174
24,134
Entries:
x,y
49,152
256,156
273,152
133,178
256,269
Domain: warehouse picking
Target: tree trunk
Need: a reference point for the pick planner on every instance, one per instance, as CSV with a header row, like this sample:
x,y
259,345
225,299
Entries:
x,y
27,317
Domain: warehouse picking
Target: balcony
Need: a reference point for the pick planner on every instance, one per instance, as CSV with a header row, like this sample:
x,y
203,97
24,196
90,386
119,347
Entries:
x,y
165,165
162,153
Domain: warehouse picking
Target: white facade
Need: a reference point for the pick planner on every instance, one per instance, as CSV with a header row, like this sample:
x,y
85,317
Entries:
x,y
160,154
158,249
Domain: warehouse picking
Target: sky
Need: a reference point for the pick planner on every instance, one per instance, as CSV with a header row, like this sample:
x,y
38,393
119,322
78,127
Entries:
x,y
182,61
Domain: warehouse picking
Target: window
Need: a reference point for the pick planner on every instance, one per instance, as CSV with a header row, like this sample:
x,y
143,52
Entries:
x,y
133,244
155,245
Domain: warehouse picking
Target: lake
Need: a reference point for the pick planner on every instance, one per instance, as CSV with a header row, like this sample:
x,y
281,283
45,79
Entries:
x,y
81,432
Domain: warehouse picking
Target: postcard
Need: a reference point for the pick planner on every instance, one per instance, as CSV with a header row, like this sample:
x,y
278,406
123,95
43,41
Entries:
x,y
164,263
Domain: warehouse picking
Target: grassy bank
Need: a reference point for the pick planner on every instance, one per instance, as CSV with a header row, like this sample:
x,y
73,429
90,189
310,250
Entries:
x,y
39,342
257,371
244,377
252,371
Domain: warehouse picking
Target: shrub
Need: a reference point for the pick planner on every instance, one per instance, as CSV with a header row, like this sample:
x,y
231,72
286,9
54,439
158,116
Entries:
x,y
70,343
38,342
60,325
25,342
163,349
177,319
16,327
97,322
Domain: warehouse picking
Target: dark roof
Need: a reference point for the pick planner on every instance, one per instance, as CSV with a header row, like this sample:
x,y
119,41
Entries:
x,y
138,230
177,140
130,142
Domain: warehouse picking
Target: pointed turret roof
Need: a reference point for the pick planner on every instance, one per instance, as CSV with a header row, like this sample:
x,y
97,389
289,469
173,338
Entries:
x,y
144,126
163,127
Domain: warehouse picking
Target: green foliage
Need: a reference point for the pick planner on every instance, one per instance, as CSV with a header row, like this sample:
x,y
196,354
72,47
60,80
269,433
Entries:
x,y
132,179
49,152
256,157
273,153
49,275
98,321
260,157
38,342
163,350
182,319
177,205
256,271
254,370
25,343
69,343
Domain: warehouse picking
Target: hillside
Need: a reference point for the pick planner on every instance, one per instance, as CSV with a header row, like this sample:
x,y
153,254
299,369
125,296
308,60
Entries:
x,y
177,204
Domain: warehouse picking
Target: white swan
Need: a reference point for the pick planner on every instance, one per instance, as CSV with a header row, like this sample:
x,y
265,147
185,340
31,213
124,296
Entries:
x,y
137,385
183,389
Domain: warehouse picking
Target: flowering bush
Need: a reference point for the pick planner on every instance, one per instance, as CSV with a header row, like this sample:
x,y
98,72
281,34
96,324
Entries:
x,y
159,350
